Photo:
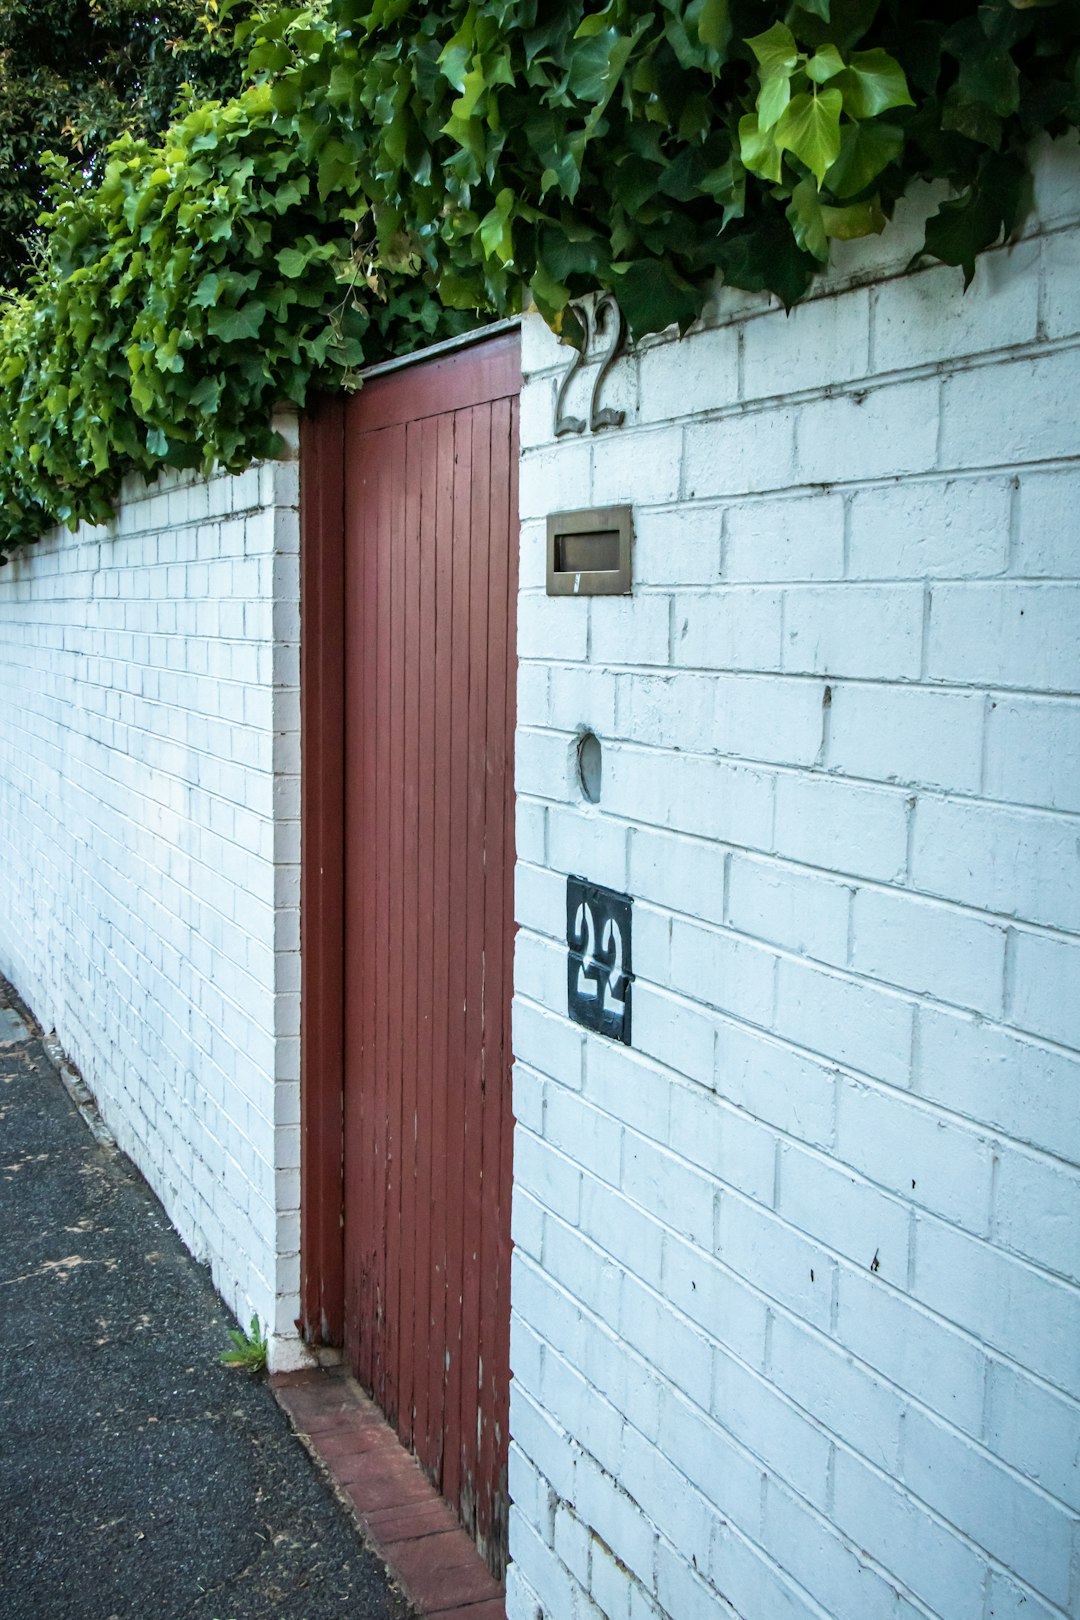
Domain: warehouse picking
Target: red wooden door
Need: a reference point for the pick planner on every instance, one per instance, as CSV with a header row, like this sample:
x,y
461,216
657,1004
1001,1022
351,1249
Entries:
x,y
430,591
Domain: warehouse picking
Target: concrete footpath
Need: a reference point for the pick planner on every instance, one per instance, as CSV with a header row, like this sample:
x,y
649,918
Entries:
x,y
141,1479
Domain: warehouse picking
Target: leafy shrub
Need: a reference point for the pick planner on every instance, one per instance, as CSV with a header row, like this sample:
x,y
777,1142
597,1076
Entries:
x,y
400,170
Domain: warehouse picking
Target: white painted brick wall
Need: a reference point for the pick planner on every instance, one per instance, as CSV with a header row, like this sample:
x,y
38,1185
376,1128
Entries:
x,y
797,1292
149,800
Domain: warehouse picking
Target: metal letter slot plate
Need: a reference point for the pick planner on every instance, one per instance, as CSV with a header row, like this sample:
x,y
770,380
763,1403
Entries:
x,y
588,553
599,968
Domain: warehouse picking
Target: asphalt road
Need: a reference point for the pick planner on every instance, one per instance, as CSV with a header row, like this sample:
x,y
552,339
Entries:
x,y
141,1480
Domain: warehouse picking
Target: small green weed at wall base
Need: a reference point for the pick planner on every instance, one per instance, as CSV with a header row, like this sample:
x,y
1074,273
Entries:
x,y
248,1352
400,171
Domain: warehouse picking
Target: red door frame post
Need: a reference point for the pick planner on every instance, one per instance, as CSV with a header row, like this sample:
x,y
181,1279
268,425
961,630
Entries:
x,y
322,889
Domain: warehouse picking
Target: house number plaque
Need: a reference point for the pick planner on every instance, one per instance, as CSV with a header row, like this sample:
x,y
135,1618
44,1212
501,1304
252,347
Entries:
x,y
599,971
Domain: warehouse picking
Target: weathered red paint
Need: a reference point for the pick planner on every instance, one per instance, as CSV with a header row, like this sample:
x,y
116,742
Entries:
x,y
322,648
429,593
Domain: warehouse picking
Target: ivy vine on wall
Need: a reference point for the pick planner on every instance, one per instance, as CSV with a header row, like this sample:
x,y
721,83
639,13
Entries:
x,y
398,170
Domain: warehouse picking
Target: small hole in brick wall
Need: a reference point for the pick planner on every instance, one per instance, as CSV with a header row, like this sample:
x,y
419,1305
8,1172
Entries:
x,y
590,766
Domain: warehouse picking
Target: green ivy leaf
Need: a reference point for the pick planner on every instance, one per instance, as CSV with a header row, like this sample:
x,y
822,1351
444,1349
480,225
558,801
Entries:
x,y
652,295
292,262
873,82
865,150
776,51
758,149
773,100
713,22
810,128
854,220
496,233
805,215
991,78
824,65
965,226
232,325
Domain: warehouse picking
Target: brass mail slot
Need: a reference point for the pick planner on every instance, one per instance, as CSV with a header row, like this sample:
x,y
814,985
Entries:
x,y
588,552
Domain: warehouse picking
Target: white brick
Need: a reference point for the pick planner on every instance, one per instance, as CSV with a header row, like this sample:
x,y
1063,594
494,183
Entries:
x,y
753,450
1003,1300
839,1209
1035,1204
873,631
856,831
630,630
819,344
712,798
580,698
784,1265
771,1082
919,945
700,1347
800,538
914,1350
681,1195
784,906
557,479
547,1042
988,1503
721,970
735,629
1047,527
724,1305
673,1032
822,1562
1020,1087
552,627
907,735
545,764
921,321
1045,996
1013,635
1032,418
680,873
759,718
879,433
845,1020
1033,751
1035,1430
923,1156
1016,862
584,842
677,545
639,465
665,711
1061,277
700,374
934,1563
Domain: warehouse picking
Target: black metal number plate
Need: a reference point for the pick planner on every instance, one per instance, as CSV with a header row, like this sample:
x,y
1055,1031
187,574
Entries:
x,y
599,966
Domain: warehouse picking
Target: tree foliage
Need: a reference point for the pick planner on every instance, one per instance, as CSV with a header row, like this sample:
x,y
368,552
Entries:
x,y
76,74
398,170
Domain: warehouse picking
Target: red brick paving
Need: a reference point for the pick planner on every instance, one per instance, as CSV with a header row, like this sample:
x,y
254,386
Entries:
x,y
404,1516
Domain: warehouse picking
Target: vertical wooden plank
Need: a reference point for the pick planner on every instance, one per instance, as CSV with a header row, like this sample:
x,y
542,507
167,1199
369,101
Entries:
x,y
443,856
458,986
391,1325
494,1292
426,1146
322,691
410,859
472,1177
